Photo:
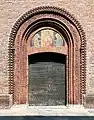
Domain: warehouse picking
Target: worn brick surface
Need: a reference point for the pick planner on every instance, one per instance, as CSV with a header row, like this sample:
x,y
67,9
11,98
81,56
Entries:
x,y
11,10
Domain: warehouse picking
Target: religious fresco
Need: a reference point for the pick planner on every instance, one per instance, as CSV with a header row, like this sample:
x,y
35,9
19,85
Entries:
x,y
47,38
36,41
58,40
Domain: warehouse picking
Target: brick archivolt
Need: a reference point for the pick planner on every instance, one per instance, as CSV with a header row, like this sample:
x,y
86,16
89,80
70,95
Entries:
x,y
64,22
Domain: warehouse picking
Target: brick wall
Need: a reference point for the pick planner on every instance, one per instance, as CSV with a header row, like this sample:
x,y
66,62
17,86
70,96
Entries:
x,y
11,10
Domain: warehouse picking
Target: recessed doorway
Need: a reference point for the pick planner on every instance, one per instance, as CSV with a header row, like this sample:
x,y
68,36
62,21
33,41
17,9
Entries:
x,y
47,79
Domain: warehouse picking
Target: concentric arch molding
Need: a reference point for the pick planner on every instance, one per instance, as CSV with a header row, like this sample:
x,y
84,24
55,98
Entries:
x,y
49,10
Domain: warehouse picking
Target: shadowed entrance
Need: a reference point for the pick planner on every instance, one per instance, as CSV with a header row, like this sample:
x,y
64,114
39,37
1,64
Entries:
x,y
47,79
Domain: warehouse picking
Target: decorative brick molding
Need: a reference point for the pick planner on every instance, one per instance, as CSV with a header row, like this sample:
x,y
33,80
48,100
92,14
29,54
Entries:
x,y
66,23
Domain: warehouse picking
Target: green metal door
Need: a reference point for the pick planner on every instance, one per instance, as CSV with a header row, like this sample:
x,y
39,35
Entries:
x,y
46,82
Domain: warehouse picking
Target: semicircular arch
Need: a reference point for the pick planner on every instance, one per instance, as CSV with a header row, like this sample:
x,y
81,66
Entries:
x,y
64,22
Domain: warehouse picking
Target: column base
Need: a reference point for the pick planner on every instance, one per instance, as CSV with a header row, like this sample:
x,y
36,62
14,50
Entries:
x,y
89,101
5,101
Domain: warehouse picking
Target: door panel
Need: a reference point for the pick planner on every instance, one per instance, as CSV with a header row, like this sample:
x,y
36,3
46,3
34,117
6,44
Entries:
x,y
46,82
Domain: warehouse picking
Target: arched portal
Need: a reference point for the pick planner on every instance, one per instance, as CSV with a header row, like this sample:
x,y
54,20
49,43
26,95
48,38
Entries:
x,y
47,29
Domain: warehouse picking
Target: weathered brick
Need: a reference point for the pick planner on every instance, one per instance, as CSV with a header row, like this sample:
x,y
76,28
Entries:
x,y
11,10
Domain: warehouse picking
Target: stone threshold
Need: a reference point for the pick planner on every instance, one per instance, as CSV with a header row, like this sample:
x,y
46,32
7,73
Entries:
x,y
26,110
